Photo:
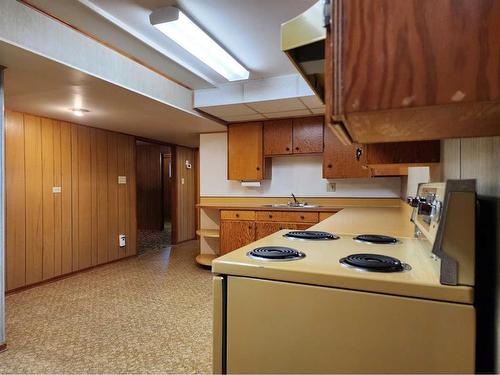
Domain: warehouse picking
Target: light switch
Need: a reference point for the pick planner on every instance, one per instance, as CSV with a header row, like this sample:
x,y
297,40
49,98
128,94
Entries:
x,y
331,187
182,180
122,180
56,189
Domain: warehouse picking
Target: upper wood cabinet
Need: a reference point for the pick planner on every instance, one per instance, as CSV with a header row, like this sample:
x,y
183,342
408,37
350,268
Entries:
x,y
245,152
308,135
293,136
341,161
405,70
356,160
278,137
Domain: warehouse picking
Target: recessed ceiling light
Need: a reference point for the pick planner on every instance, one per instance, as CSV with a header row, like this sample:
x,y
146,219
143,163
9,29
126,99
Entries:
x,y
79,111
178,27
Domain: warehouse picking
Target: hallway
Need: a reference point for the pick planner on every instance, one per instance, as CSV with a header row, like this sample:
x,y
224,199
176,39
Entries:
x,y
150,313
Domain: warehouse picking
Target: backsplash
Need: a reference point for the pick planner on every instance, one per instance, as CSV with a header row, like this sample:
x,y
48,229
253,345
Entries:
x,y
300,175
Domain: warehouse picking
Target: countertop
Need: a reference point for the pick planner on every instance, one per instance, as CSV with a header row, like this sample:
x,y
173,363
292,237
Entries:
x,y
321,265
260,207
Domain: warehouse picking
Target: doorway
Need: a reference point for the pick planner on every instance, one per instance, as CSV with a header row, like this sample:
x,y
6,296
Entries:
x,y
155,181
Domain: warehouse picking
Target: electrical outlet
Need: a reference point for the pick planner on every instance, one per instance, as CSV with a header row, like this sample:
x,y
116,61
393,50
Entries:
x,y
122,180
121,239
331,187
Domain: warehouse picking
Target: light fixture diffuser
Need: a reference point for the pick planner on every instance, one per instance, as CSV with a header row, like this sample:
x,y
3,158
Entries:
x,y
178,27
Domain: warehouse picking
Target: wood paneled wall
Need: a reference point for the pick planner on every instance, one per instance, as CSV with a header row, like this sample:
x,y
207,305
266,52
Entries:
x,y
51,234
149,185
479,158
185,192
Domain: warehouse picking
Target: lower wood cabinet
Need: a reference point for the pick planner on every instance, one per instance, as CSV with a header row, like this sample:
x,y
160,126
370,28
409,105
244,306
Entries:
x,y
235,234
264,229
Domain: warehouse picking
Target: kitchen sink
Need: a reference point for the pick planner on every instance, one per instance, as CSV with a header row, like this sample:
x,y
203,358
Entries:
x,y
291,205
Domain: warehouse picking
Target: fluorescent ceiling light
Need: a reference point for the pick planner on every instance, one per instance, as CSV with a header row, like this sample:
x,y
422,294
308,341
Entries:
x,y
178,27
79,112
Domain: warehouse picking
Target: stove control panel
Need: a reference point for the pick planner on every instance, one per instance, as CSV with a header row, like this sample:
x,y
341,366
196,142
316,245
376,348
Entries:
x,y
445,214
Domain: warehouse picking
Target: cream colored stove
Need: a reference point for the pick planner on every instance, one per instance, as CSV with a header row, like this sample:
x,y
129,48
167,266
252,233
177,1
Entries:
x,y
294,305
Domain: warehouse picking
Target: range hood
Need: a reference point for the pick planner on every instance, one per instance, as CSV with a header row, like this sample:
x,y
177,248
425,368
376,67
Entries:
x,y
303,40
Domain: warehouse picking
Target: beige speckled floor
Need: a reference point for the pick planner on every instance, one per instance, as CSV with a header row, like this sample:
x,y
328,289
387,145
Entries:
x,y
142,315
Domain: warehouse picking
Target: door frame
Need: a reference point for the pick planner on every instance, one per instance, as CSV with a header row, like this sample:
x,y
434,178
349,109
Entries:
x,y
173,191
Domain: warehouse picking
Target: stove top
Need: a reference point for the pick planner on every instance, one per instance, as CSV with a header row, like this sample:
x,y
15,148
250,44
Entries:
x,y
374,263
276,253
311,235
376,239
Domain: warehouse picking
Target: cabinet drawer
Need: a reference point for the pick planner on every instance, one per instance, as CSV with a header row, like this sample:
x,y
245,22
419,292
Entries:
x,y
287,216
237,215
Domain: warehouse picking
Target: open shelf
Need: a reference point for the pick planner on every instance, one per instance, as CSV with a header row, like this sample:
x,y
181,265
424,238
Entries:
x,y
213,233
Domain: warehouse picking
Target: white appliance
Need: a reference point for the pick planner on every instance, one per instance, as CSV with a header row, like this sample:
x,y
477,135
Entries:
x,y
369,304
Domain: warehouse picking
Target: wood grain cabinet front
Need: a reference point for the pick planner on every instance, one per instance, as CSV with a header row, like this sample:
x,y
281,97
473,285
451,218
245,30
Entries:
x,y
245,152
278,136
308,135
397,71
235,234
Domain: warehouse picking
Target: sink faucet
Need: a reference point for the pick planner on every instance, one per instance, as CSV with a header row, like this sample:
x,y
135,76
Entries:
x,y
295,199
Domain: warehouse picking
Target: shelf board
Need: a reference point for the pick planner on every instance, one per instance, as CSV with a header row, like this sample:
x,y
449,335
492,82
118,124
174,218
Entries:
x,y
213,233
205,259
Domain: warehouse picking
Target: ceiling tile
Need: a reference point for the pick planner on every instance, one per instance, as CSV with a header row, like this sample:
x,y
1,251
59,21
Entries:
x,y
228,110
270,106
312,101
301,112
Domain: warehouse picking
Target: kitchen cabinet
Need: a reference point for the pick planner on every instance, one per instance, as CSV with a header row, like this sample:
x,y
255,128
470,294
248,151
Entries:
x,y
235,234
380,159
278,137
343,161
308,135
264,228
400,72
241,227
245,152
293,136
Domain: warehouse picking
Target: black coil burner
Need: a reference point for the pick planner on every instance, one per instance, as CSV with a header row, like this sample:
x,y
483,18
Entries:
x,y
374,263
278,253
376,239
311,235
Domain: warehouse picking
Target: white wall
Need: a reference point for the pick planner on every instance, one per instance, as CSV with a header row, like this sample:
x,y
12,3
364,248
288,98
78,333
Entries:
x,y
298,174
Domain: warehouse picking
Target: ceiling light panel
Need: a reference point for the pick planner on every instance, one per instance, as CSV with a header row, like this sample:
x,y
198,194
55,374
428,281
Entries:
x,y
178,27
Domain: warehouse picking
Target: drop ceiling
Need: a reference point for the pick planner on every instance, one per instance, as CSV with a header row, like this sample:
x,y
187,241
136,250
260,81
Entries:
x,y
269,109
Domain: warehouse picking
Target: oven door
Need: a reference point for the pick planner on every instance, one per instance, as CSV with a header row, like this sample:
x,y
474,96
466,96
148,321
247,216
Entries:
x,y
279,327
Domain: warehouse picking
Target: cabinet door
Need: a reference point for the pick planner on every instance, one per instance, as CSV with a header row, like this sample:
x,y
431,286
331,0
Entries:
x,y
245,152
308,135
398,54
235,234
340,161
403,152
264,229
278,137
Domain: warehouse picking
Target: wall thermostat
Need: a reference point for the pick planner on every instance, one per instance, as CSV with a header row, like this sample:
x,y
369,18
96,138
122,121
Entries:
x,y
188,164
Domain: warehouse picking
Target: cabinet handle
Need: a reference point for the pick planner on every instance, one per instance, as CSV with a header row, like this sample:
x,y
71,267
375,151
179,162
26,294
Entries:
x,y
329,165
297,148
359,152
302,217
258,168
270,216
237,215
288,148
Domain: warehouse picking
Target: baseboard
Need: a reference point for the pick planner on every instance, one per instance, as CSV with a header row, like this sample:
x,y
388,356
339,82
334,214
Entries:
x,y
65,276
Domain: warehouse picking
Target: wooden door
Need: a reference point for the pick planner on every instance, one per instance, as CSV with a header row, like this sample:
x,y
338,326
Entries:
x,y
278,137
235,234
340,161
308,135
399,54
245,152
